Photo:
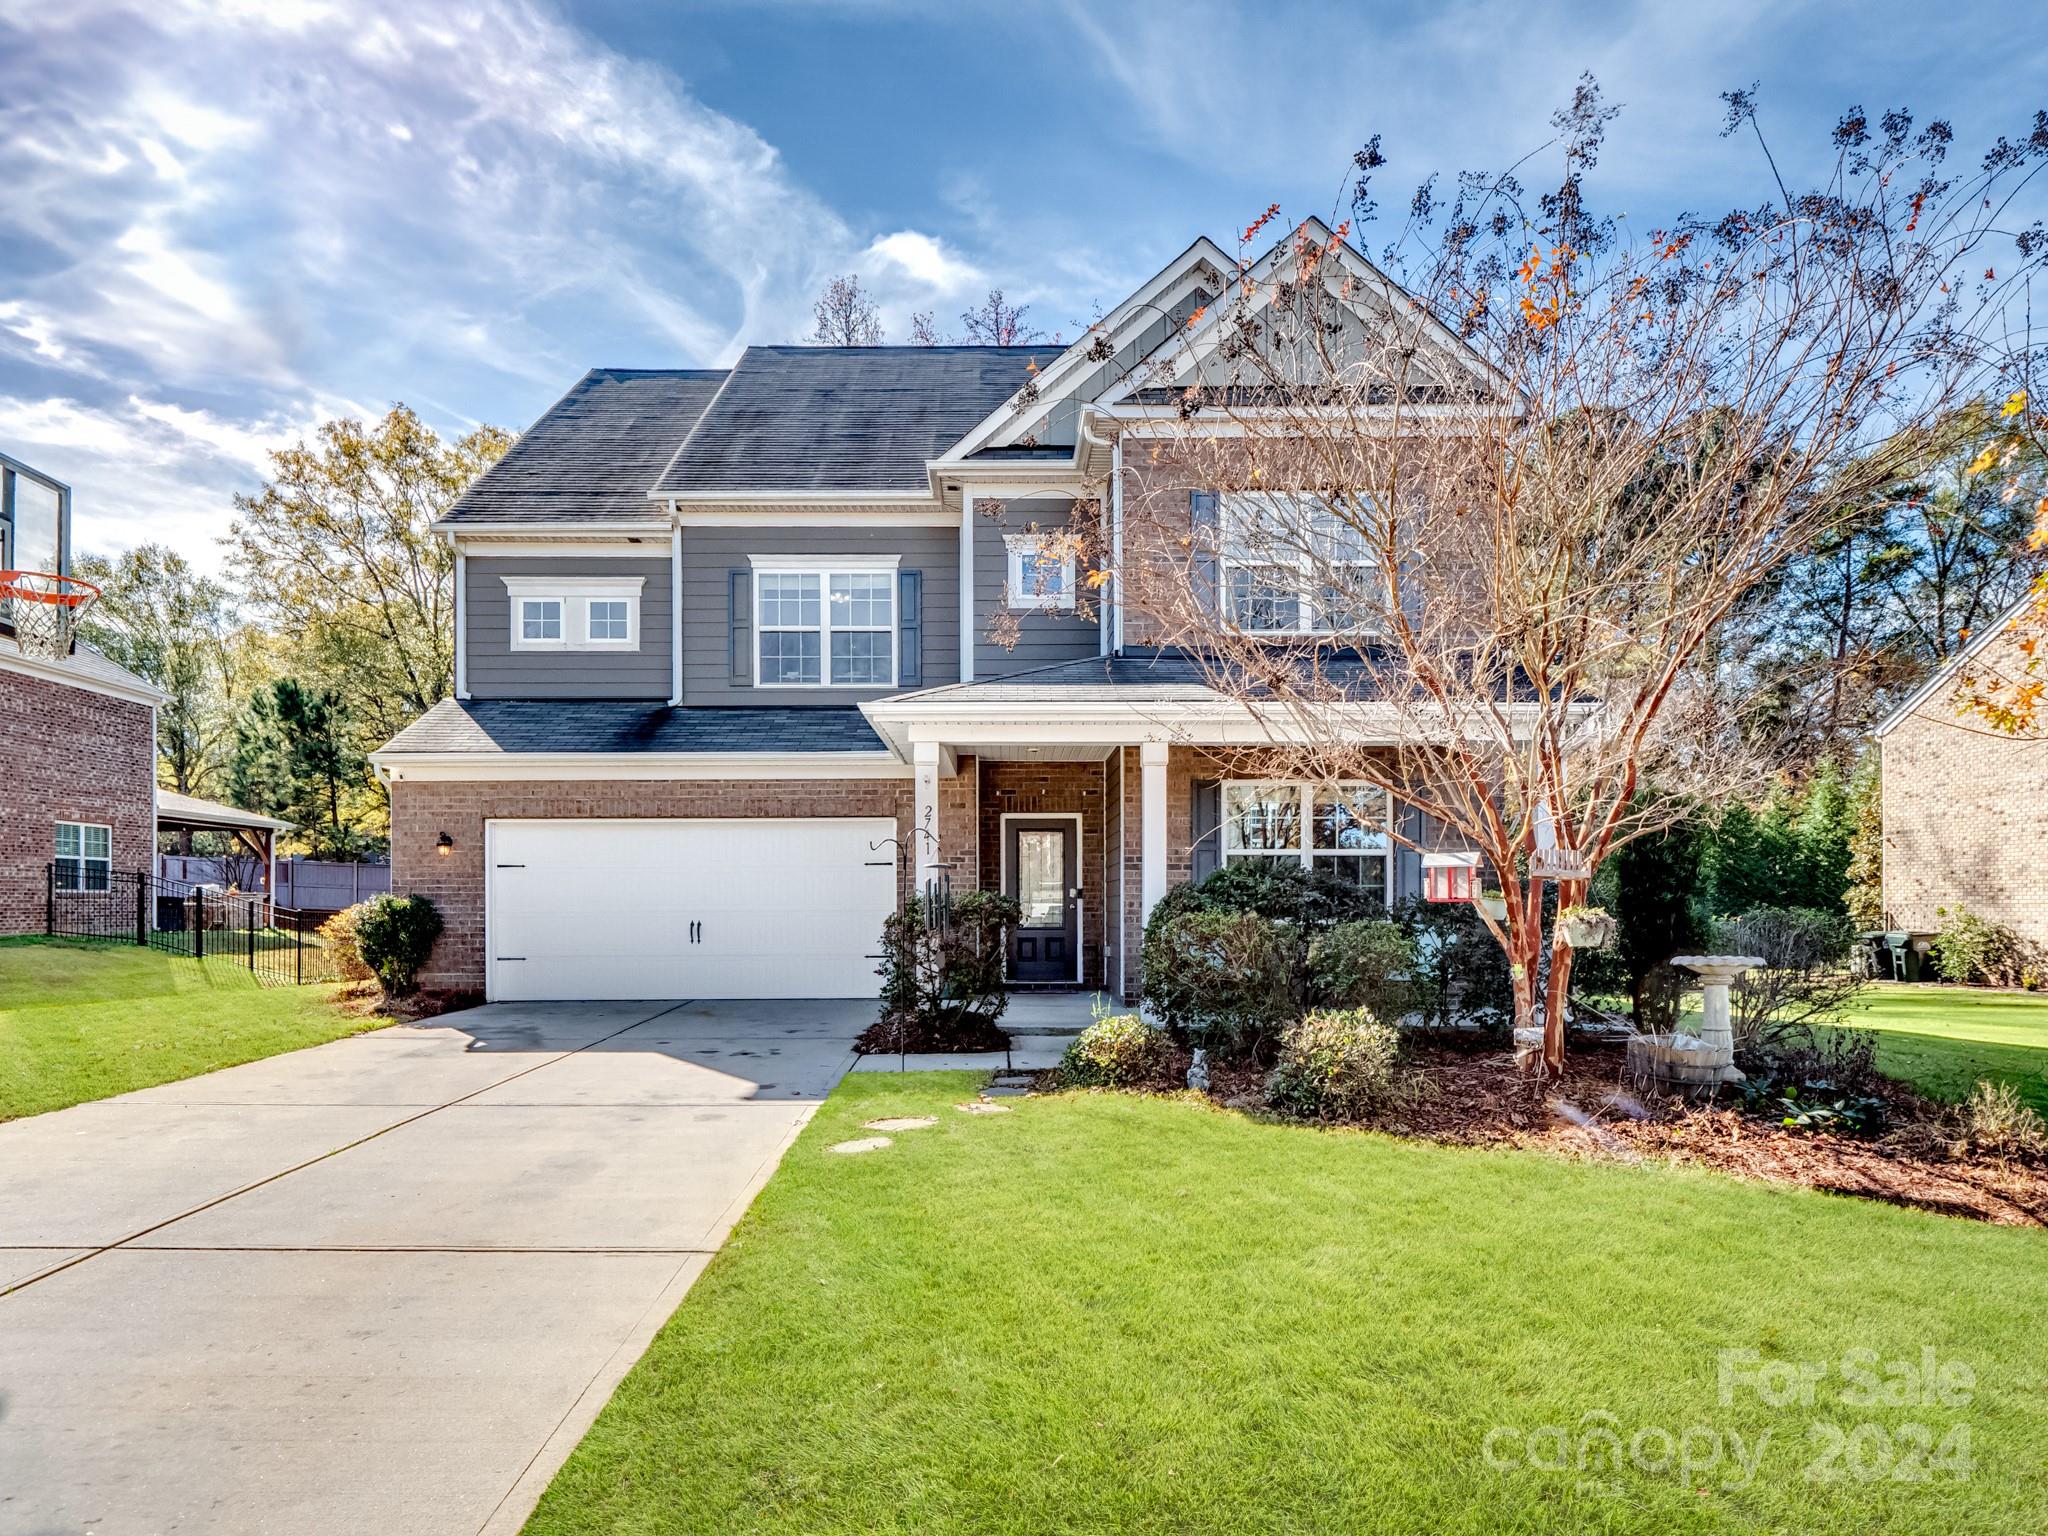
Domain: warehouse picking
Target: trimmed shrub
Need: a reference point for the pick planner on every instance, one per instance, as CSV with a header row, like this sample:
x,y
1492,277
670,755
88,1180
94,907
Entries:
x,y
1461,975
942,975
1222,979
1282,890
1335,1064
1980,952
1999,1123
1368,965
394,936
1116,1052
338,938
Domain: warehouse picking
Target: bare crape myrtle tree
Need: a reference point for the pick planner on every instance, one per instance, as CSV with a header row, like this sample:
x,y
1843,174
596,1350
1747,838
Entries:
x,y
1477,548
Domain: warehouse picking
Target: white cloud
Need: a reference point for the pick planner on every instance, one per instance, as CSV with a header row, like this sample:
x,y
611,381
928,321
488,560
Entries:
x,y
921,259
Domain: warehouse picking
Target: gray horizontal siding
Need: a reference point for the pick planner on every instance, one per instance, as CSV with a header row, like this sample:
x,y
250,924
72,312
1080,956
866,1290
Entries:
x,y
496,671
1043,636
709,554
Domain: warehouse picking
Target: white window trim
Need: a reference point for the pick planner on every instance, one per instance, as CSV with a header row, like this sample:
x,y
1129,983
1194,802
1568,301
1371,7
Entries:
x,y
1308,598
575,594
825,567
1021,595
85,861
1307,853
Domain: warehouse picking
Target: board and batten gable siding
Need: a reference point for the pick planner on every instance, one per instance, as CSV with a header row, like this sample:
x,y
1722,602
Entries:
x,y
495,671
1044,635
711,555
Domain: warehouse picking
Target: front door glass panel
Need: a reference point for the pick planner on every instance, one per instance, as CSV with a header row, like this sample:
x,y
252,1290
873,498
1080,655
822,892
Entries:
x,y
1042,878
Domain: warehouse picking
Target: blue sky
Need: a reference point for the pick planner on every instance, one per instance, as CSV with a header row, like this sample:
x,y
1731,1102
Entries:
x,y
223,223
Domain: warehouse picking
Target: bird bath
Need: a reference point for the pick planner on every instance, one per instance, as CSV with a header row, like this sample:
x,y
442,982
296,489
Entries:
x,y
1707,1059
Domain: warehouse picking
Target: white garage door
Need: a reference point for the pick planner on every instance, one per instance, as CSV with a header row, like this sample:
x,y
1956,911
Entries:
x,y
632,909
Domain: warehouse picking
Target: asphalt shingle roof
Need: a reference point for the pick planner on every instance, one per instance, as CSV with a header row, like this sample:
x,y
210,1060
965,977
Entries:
x,y
844,418
596,453
504,726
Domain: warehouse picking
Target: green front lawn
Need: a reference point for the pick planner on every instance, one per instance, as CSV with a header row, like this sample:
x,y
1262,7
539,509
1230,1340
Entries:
x,y
81,1019
1943,1039
1113,1313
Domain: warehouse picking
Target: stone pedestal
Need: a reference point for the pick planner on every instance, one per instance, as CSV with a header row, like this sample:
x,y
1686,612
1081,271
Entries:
x,y
1717,1032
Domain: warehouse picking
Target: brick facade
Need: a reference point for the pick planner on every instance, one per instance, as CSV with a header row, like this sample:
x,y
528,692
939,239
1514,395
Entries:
x,y
1965,820
68,754
1184,765
421,810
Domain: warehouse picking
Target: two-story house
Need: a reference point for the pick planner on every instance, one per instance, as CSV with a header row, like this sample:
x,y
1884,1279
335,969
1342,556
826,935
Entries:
x,y
744,655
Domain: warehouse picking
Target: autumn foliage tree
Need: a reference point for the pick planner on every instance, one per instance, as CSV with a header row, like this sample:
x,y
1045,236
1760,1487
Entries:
x,y
1478,514
845,315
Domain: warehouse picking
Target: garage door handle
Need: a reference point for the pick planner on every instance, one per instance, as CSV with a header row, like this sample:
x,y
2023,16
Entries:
x,y
511,957
881,863
511,866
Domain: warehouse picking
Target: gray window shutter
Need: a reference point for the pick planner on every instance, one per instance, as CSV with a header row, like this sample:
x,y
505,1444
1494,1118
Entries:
x,y
910,629
1202,520
739,627
1206,802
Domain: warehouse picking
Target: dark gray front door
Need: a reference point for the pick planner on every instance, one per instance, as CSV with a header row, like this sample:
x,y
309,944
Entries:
x,y
1039,855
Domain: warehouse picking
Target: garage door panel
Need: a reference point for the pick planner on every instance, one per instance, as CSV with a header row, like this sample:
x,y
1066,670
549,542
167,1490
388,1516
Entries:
x,y
603,909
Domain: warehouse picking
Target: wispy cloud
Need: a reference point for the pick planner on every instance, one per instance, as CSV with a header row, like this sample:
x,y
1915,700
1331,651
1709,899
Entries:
x,y
221,216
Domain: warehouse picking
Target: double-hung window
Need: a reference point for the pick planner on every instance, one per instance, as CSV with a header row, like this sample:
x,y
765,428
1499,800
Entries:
x,y
821,627
1344,829
85,856
575,613
1293,566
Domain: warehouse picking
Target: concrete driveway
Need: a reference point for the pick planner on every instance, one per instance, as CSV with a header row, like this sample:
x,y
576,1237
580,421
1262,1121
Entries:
x,y
382,1284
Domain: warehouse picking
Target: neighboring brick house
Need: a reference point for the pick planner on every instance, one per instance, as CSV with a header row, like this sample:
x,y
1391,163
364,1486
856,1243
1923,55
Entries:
x,y
77,737
730,681
1965,806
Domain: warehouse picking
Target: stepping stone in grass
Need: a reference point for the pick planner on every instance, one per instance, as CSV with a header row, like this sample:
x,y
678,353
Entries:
x,y
980,1107
902,1123
865,1144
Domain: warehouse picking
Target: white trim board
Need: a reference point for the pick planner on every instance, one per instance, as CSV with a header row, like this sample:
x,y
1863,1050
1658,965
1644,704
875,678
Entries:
x,y
1944,675
655,767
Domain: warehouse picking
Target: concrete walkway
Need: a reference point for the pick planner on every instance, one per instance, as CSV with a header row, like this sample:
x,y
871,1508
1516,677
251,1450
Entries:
x,y
382,1284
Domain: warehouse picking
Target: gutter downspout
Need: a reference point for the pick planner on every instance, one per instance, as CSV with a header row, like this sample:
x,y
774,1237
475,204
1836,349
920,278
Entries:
x,y
675,611
461,627
1111,624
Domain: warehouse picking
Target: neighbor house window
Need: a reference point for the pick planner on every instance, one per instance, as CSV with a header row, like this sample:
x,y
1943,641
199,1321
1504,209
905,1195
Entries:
x,y
576,613
1292,566
1344,829
825,628
1039,576
85,856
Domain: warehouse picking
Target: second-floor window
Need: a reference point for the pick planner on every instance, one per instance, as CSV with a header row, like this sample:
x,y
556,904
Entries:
x,y
1292,566
1037,575
577,613
825,628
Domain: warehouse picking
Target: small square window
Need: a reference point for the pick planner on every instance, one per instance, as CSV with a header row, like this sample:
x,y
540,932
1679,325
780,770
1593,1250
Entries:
x,y
540,618
1038,577
607,619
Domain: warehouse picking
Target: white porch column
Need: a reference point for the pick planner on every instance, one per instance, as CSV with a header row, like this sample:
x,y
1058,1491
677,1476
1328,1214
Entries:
x,y
1152,825
926,760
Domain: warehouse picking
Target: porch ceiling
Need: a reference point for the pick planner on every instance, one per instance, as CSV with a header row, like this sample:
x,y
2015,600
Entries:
x,y
1055,752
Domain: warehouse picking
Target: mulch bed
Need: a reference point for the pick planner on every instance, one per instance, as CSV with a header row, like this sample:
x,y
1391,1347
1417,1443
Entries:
x,y
973,1033
1467,1095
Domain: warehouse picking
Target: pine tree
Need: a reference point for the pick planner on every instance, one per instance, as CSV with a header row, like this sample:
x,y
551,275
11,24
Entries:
x,y
1865,897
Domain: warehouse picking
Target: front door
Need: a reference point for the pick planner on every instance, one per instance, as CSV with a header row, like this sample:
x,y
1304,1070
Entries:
x,y
1043,877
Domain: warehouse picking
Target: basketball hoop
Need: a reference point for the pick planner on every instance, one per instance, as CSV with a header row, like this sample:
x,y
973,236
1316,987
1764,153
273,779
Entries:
x,y
44,609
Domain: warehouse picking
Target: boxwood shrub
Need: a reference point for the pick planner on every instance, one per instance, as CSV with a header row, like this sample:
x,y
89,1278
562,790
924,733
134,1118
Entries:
x,y
1115,1052
1335,1065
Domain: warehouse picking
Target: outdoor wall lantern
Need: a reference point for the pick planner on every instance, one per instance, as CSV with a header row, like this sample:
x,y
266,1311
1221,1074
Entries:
x,y
443,844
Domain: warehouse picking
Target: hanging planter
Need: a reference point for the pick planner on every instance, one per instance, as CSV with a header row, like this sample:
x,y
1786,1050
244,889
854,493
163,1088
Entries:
x,y
1586,927
1494,904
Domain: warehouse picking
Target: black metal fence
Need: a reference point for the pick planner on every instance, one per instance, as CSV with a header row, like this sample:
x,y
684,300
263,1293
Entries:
x,y
278,946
